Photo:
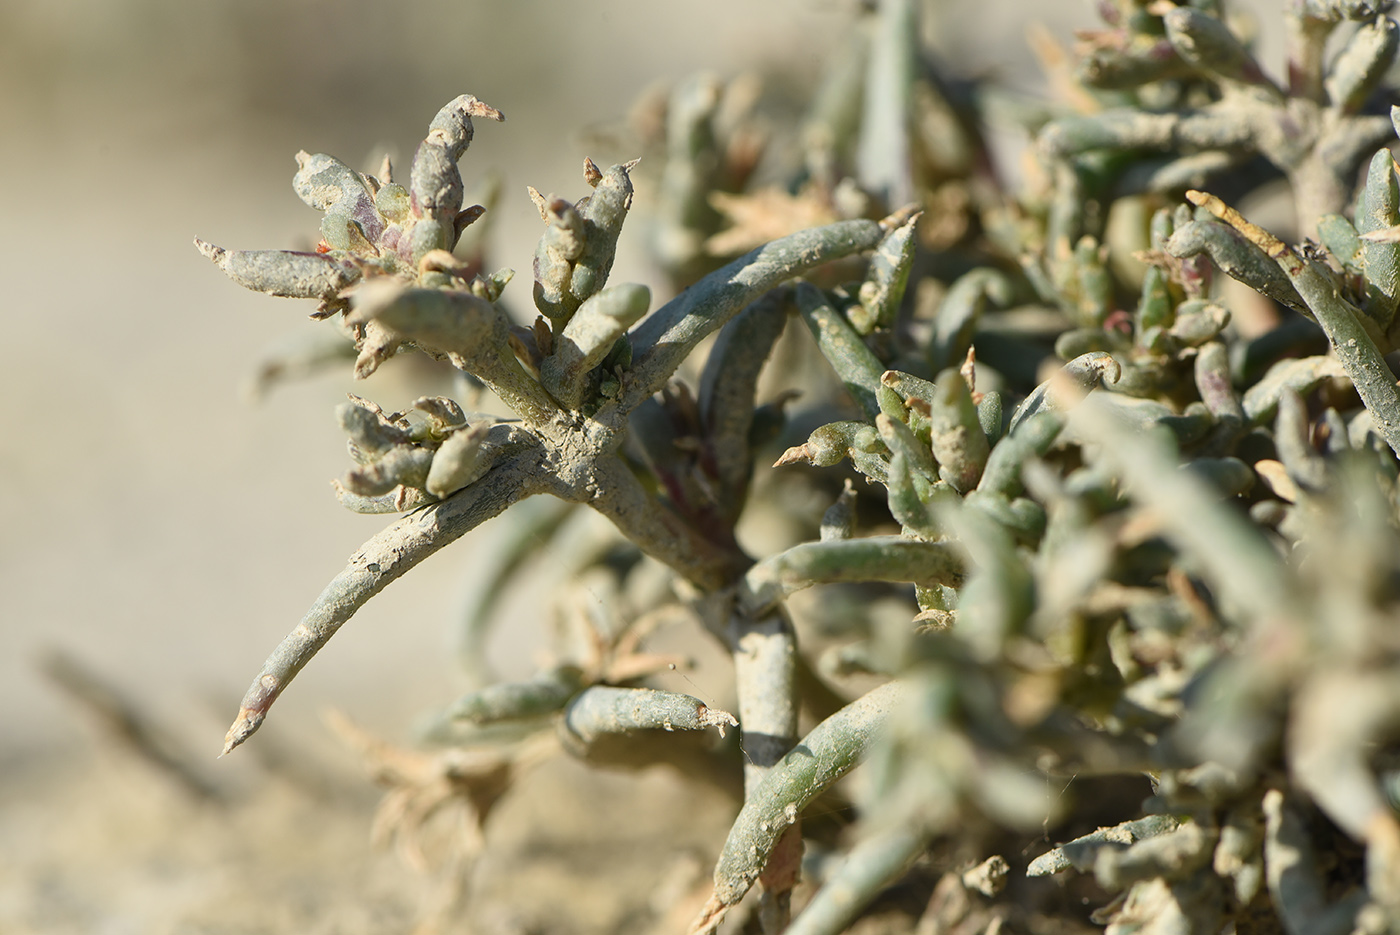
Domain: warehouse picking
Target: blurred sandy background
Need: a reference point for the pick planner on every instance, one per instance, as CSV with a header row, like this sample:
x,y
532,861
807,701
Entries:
x,y
156,525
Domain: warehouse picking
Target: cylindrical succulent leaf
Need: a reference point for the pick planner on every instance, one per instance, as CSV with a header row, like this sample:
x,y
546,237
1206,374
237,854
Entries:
x,y
324,182
559,248
603,709
1362,63
435,184
544,694
883,289
857,366
1237,257
956,434
452,127
284,272
826,754
1378,209
1338,235
883,157
459,461
1031,438
960,310
875,558
588,337
392,201
1198,321
1139,60
445,320
728,386
403,464
901,440
1302,376
1209,45
368,429
602,219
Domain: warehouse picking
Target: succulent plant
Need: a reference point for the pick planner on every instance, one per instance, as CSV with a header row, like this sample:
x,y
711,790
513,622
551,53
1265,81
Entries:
x,y
1136,533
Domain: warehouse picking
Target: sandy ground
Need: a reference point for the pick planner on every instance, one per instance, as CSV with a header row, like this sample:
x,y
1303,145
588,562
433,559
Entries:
x,y
166,533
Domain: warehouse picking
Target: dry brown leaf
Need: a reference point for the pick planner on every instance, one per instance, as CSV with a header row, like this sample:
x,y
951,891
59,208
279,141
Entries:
x,y
764,215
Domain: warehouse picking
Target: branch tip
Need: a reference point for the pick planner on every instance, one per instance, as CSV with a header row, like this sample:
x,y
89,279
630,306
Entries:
x,y
897,219
710,917
212,251
1255,234
794,455
244,726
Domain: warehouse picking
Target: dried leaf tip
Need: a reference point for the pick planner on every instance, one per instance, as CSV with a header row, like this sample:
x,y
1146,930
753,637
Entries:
x,y
1251,232
899,218
794,455
216,253
591,173
471,106
714,717
540,202
1384,235
243,727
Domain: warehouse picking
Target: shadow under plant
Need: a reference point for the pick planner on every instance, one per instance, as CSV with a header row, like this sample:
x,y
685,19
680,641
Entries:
x,y
1175,557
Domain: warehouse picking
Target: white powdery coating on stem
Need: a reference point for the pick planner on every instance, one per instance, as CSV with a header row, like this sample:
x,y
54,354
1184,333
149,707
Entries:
x,y
604,709
459,461
589,336
378,562
874,558
668,336
284,273
764,665
826,754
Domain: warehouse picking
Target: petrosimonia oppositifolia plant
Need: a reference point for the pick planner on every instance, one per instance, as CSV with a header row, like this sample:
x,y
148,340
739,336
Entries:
x,y
1165,563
